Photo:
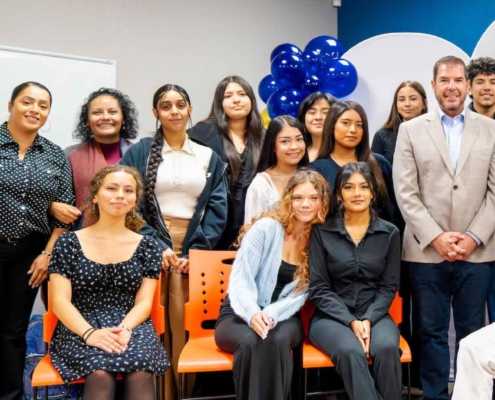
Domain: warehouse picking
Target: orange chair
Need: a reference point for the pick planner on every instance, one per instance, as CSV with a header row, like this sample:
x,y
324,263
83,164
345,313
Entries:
x,y
208,282
45,373
314,358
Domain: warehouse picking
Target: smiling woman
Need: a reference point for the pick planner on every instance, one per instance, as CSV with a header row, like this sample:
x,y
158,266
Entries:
x,y
284,150
107,120
103,280
185,204
33,172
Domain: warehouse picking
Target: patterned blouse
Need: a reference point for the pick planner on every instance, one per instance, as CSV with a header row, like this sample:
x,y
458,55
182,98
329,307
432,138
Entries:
x,y
29,186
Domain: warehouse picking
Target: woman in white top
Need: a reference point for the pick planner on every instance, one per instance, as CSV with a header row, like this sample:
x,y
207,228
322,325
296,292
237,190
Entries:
x,y
185,203
284,150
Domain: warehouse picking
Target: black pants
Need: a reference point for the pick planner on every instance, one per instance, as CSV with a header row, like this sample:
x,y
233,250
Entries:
x,y
262,368
339,342
16,303
435,287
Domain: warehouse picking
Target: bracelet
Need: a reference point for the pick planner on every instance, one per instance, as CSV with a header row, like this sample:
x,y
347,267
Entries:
x,y
86,332
126,328
90,333
49,255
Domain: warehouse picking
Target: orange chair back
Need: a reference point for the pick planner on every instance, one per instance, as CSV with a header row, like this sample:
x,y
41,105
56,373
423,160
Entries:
x,y
157,315
209,273
395,309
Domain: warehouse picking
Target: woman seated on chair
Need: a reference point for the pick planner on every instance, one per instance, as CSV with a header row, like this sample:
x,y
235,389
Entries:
x,y
268,286
103,280
354,274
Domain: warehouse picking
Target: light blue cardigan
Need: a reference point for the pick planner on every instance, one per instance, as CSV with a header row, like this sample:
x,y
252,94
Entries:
x,y
254,275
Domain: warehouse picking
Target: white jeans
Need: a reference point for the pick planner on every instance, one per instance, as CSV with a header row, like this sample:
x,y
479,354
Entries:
x,y
476,366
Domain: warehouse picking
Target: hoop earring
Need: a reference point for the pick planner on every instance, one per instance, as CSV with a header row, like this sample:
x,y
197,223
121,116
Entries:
x,y
50,127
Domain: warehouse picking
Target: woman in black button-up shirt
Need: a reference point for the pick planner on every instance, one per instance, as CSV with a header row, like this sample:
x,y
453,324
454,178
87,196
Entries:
x,y
354,274
33,173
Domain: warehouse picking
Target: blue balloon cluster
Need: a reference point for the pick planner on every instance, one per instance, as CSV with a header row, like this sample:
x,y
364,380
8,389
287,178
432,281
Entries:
x,y
295,74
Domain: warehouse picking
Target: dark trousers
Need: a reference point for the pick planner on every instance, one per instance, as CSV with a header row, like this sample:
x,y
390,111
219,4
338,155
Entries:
x,y
339,342
16,302
262,368
491,298
409,326
435,287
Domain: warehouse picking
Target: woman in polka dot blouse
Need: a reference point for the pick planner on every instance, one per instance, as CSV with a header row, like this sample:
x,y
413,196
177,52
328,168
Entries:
x,y
103,279
33,173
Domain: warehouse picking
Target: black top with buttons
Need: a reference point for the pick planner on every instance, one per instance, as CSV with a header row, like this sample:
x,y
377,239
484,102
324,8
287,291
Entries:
x,y
349,282
29,186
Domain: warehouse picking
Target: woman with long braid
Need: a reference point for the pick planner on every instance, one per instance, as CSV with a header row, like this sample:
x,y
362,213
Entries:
x,y
185,204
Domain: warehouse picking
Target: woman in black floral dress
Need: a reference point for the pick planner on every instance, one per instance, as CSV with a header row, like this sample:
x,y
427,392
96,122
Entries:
x,y
102,285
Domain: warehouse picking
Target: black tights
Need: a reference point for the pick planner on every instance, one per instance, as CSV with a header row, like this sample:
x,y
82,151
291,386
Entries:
x,y
100,385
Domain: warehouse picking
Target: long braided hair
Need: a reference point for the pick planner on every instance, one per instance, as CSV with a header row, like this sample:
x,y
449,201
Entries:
x,y
155,157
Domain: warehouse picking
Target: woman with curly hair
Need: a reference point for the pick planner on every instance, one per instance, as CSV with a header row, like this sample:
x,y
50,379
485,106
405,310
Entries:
x,y
185,203
107,120
103,280
268,286
235,132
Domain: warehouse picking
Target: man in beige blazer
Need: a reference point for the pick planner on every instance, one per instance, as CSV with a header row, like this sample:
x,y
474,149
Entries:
x,y
444,179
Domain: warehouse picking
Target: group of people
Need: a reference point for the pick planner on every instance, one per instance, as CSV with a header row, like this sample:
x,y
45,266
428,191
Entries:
x,y
314,210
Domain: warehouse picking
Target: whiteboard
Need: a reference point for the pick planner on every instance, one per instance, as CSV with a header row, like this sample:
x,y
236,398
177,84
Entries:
x,y
70,79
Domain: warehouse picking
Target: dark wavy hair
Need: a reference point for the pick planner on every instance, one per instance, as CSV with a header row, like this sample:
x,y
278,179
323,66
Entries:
x,y
19,88
254,125
395,119
130,126
268,158
343,176
155,157
307,104
362,150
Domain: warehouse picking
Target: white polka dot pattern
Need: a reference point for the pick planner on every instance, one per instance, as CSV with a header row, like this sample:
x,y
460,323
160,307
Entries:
x,y
28,187
104,294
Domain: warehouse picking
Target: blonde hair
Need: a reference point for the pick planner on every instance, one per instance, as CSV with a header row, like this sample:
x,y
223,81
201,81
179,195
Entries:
x,y
285,215
133,221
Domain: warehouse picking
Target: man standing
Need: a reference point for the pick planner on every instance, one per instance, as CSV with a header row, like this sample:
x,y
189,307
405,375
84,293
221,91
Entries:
x,y
481,86
444,177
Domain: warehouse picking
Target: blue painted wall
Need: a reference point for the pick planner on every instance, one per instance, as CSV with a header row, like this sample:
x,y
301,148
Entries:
x,y
462,22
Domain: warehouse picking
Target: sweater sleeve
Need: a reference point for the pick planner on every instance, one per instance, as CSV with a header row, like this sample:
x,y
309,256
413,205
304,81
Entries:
x,y
286,307
243,291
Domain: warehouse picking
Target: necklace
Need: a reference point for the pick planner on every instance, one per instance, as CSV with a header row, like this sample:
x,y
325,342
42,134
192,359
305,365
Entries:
x,y
239,144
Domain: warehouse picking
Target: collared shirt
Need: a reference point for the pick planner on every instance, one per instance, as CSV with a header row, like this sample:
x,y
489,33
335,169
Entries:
x,y
181,178
453,127
29,186
349,282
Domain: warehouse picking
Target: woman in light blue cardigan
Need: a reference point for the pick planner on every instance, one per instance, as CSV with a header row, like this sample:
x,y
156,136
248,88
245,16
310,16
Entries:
x,y
268,286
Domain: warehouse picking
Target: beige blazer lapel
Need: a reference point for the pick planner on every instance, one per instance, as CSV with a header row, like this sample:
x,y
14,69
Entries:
x,y
435,130
469,134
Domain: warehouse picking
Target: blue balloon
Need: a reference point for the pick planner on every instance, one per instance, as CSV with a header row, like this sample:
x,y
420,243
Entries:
x,y
325,46
312,62
285,48
267,87
339,78
288,70
285,101
311,84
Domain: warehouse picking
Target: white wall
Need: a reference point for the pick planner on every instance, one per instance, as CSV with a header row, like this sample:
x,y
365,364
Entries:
x,y
193,43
